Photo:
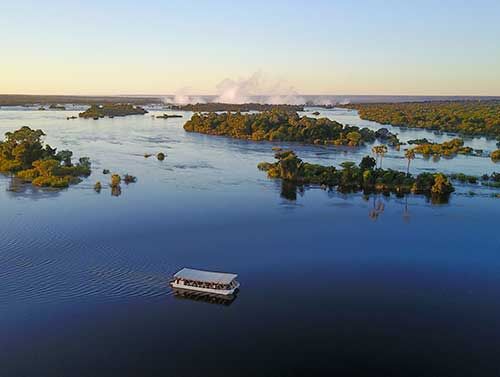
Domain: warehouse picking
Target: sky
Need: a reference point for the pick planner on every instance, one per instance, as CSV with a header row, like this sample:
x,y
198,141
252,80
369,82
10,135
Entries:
x,y
310,47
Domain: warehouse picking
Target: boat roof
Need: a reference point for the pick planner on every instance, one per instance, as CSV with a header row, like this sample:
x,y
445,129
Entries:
x,y
207,276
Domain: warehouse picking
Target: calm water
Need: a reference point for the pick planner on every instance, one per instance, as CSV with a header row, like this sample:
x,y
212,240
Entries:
x,y
325,288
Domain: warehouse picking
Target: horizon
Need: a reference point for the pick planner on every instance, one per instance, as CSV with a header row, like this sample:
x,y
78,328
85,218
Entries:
x,y
335,48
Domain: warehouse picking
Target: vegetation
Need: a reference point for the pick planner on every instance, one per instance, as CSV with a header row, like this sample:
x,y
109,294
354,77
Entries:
x,y
463,178
352,178
166,116
24,100
492,180
112,110
127,178
379,151
495,155
419,141
236,107
446,149
409,155
367,163
115,180
24,155
476,118
116,189
279,125
56,107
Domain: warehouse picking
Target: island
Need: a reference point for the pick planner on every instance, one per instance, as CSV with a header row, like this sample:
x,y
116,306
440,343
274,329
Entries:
x,y
280,125
235,107
112,110
364,177
24,155
419,141
466,117
56,107
448,149
166,116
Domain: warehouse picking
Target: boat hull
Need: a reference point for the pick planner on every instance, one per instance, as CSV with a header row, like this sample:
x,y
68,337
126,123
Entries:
x,y
221,292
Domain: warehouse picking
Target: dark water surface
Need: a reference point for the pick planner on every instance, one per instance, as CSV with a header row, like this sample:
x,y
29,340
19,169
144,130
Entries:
x,y
325,288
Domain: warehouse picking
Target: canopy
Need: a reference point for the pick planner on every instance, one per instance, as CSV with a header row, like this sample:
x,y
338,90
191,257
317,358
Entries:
x,y
205,276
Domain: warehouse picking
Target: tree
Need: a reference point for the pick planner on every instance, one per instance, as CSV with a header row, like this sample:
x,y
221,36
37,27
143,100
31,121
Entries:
x,y
409,155
354,138
20,149
367,163
442,186
65,157
495,155
380,150
115,180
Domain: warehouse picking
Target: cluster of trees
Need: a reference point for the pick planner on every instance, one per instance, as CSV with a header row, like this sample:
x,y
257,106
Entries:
x,y
478,118
446,149
166,116
492,180
353,178
236,107
419,141
116,180
112,110
464,178
24,154
495,155
279,125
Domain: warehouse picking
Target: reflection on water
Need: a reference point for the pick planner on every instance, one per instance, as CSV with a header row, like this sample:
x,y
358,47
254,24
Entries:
x,y
116,190
406,212
19,189
185,294
377,209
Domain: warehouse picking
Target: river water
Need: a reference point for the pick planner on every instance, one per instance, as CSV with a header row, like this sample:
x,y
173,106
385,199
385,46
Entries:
x,y
330,283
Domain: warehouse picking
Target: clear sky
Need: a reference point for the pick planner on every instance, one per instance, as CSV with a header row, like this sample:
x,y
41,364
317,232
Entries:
x,y
316,47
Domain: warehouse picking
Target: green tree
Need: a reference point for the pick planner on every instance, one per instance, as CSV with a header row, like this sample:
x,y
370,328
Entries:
x,y
65,157
380,151
409,155
367,162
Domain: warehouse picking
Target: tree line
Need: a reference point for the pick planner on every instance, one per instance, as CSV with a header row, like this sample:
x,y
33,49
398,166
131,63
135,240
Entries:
x,y
473,118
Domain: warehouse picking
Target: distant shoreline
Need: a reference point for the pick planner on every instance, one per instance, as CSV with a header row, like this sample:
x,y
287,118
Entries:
x,y
33,99
28,99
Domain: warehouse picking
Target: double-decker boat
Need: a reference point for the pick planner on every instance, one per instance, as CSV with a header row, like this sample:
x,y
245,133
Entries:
x,y
217,283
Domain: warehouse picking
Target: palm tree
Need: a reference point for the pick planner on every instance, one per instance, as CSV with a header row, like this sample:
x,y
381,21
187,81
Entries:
x,y
380,150
410,155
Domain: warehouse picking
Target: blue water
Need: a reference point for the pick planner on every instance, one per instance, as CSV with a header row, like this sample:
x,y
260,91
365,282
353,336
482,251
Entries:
x,y
325,288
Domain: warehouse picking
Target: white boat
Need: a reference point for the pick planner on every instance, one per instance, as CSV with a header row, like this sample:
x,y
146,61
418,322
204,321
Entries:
x,y
218,283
